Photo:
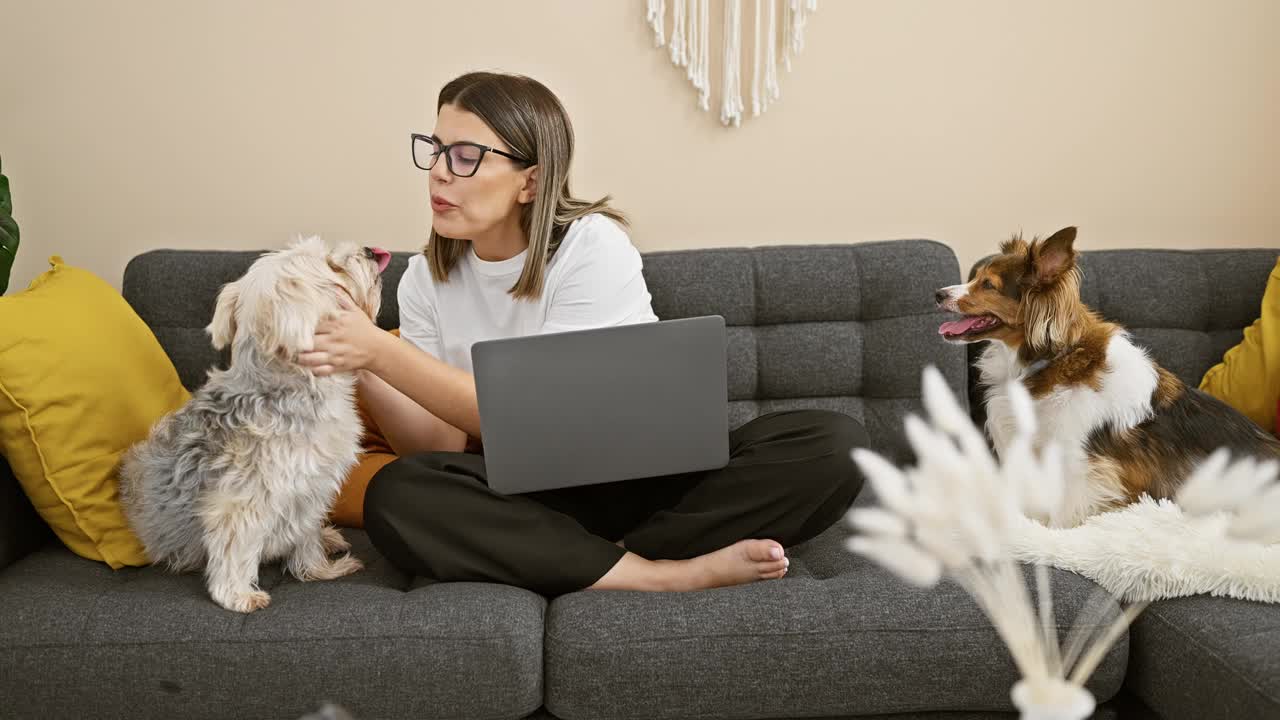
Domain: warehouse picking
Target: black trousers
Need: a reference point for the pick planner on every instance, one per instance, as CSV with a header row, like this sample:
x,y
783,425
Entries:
x,y
790,476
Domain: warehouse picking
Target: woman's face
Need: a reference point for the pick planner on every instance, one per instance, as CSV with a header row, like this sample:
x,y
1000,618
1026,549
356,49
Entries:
x,y
469,207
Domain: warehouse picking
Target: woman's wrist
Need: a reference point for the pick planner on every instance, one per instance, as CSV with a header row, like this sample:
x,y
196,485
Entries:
x,y
378,354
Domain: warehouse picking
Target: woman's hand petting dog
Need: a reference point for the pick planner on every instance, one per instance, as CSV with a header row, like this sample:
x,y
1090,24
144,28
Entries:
x,y
346,342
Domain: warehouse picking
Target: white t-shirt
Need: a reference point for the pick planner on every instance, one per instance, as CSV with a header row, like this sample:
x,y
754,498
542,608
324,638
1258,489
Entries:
x,y
592,281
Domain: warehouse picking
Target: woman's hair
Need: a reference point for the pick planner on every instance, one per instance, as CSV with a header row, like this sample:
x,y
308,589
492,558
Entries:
x,y
531,120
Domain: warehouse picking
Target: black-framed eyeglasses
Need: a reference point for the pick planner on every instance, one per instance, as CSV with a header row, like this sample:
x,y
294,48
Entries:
x,y
462,158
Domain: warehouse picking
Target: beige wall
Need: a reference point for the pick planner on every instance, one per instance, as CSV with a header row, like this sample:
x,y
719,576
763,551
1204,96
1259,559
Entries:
x,y
133,124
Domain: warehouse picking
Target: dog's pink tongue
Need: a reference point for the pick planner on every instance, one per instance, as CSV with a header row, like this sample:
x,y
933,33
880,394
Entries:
x,y
382,256
959,327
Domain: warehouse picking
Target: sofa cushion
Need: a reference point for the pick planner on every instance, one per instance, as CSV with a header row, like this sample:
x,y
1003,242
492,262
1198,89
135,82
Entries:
x,y
1186,306
79,640
840,327
1206,657
838,636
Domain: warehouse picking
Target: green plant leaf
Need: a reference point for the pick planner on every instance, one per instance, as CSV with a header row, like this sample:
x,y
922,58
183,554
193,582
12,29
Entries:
x,y
8,232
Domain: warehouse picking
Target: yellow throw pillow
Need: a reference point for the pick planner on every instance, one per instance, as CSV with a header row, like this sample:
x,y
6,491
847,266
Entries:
x,y
81,379
1248,378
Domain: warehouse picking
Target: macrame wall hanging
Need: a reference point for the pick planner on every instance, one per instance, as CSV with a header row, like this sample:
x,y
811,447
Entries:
x,y
690,49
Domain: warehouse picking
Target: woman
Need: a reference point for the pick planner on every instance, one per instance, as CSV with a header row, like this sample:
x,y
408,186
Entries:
x,y
513,253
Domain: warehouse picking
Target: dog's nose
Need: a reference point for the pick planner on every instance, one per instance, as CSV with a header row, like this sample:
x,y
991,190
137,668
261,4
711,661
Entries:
x,y
940,296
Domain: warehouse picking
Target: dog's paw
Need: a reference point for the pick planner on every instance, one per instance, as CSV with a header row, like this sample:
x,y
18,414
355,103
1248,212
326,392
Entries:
x,y
347,565
339,567
333,540
245,602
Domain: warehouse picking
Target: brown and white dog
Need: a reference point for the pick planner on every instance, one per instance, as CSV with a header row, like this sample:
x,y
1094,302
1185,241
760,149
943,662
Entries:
x,y
1126,425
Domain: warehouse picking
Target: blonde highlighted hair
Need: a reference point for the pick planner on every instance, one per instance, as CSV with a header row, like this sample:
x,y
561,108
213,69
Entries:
x,y
531,121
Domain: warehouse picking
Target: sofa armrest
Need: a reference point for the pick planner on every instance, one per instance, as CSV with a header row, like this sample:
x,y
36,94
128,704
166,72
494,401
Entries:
x,y
21,529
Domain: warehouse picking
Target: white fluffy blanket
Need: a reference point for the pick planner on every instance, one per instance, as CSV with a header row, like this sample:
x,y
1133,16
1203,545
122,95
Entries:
x,y
1151,551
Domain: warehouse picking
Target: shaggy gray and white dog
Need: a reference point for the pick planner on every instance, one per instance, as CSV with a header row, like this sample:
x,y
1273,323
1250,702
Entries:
x,y
248,470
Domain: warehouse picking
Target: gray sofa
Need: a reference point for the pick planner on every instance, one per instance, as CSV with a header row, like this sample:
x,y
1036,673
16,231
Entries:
x,y
847,327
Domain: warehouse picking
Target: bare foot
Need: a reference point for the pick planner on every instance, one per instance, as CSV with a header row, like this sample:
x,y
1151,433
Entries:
x,y
743,562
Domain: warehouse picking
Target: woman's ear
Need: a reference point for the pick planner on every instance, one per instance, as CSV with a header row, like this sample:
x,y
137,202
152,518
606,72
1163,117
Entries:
x,y
529,190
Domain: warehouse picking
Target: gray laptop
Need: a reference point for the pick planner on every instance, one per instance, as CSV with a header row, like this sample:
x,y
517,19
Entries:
x,y
596,406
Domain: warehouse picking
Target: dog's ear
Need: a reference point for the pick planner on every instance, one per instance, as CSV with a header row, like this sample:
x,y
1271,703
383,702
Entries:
x,y
1054,256
287,322
223,327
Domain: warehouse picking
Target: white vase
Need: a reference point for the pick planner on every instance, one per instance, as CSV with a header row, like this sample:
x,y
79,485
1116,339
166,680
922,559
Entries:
x,y
1052,699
